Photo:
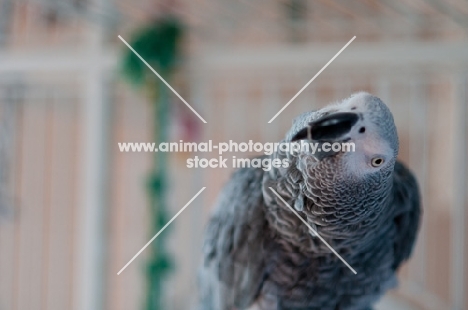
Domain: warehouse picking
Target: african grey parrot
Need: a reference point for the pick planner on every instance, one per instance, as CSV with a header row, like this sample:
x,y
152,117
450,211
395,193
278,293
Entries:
x,y
364,204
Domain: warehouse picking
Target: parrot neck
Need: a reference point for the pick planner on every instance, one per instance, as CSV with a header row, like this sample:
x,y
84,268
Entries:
x,y
346,214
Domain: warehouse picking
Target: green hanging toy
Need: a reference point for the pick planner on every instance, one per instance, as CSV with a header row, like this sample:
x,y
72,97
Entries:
x,y
158,44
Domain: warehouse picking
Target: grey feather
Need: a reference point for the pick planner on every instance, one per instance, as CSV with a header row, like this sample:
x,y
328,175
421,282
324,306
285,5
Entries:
x,y
258,253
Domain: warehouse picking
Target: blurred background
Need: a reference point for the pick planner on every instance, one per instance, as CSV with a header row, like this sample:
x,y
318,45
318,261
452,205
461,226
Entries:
x,y
74,209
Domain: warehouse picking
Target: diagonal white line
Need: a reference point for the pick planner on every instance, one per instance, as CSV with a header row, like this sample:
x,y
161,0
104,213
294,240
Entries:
x,y
159,232
320,237
311,80
164,81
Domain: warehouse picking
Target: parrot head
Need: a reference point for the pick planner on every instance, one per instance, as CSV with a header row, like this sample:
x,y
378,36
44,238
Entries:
x,y
361,120
351,181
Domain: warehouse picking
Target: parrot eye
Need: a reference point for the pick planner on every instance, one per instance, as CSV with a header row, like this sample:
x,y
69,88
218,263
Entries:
x,y
377,161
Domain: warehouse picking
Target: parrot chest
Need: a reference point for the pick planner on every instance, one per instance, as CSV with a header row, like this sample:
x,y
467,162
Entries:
x,y
308,280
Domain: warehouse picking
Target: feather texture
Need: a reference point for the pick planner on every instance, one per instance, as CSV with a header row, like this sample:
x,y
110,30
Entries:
x,y
259,255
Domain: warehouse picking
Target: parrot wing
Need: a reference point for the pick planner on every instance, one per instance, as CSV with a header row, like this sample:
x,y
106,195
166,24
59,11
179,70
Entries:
x,y
407,206
233,269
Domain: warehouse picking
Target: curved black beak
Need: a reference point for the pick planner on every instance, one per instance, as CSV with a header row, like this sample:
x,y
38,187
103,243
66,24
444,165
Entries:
x,y
330,127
